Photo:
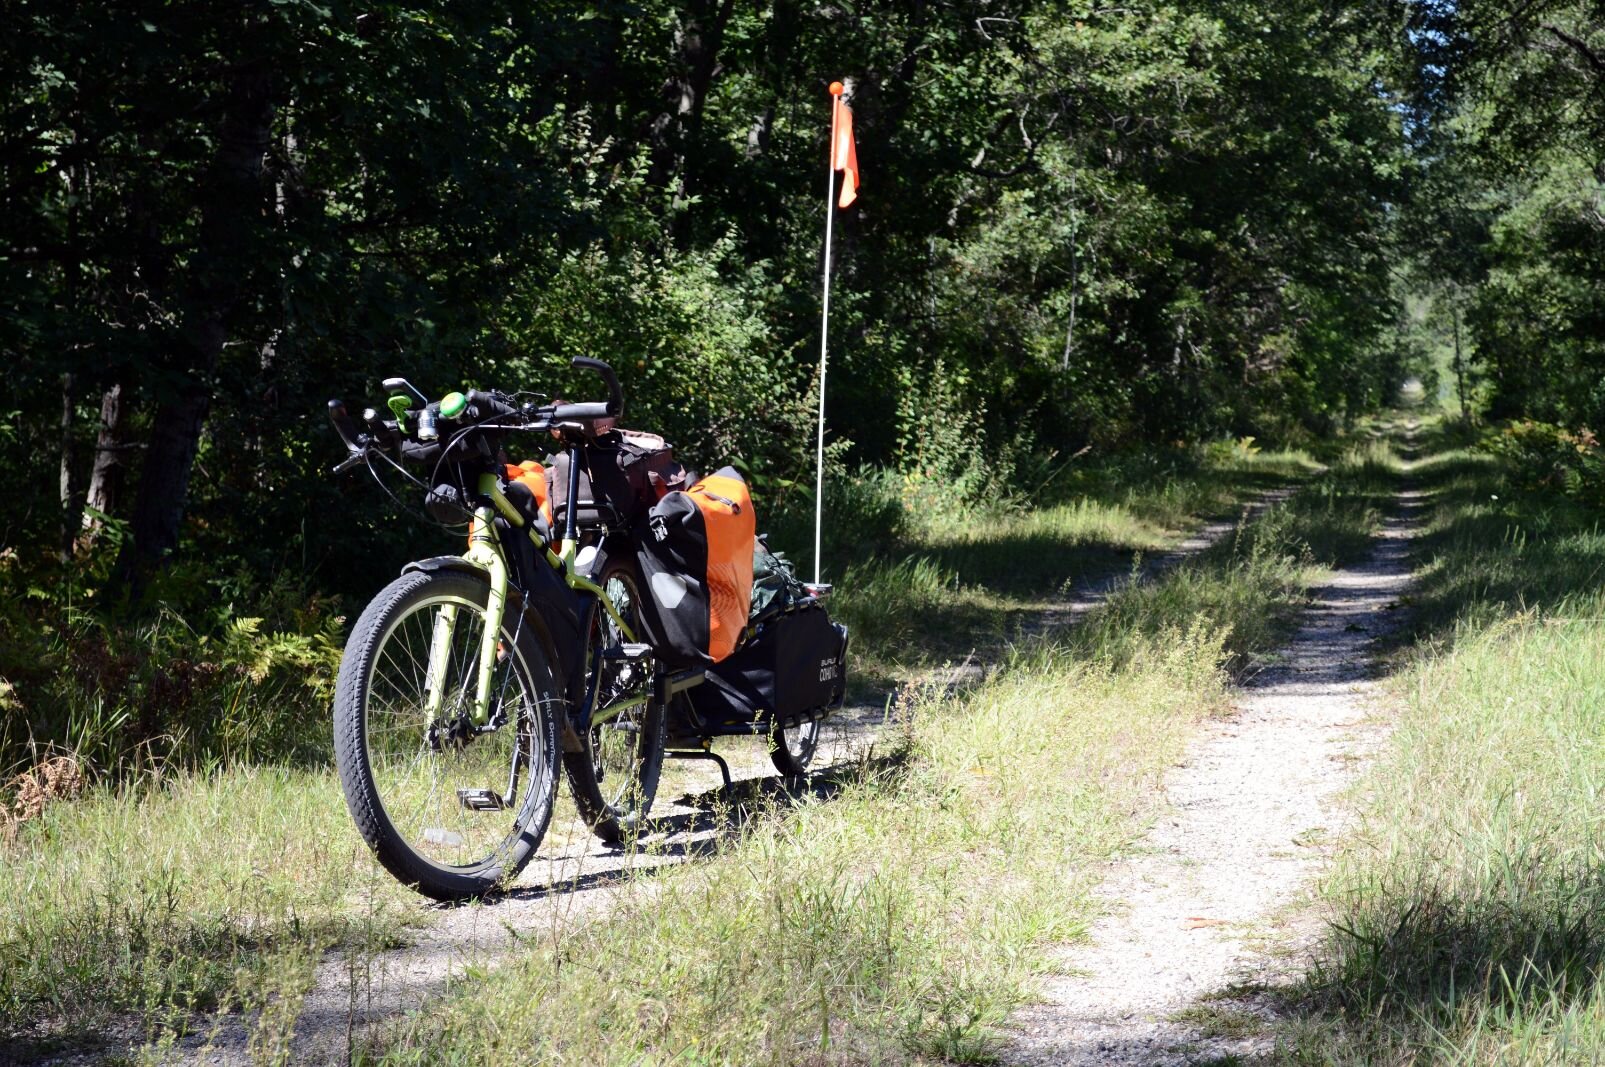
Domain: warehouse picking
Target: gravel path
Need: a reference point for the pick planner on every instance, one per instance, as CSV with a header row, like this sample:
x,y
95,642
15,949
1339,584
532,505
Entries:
x,y
575,878
1201,917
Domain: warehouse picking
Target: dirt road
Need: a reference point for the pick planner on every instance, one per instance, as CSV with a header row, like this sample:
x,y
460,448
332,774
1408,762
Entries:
x,y
1202,916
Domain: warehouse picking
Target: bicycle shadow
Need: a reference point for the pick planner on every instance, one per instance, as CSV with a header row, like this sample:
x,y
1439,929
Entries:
x,y
718,817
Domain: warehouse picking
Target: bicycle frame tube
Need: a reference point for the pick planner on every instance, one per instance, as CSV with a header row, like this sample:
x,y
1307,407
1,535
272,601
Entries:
x,y
484,551
568,549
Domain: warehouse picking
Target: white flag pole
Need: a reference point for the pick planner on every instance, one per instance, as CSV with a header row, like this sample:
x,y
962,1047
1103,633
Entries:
x,y
824,326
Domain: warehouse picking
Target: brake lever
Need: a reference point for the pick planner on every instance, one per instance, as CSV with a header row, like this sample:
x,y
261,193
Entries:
x,y
351,461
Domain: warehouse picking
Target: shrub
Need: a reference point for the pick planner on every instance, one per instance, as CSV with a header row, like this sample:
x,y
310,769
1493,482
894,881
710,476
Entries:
x,y
1544,456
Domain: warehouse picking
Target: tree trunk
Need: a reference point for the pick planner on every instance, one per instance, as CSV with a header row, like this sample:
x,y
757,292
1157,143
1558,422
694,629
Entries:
x,y
1460,365
106,477
674,130
68,491
1075,228
231,209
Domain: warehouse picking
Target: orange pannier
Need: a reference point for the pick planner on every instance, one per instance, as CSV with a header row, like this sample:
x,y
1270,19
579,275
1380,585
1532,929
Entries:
x,y
532,476
695,556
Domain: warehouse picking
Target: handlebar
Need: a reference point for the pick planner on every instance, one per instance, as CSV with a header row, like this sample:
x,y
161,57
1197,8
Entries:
x,y
442,429
484,405
615,403
343,424
576,412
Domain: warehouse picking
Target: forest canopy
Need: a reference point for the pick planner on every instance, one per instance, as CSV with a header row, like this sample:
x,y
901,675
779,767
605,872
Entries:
x,y
1123,228
1079,225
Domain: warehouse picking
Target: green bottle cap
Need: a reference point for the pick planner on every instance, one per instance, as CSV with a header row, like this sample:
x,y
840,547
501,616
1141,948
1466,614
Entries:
x,y
452,404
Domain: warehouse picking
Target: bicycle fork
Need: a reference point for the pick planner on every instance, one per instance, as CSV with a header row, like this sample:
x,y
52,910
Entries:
x,y
484,551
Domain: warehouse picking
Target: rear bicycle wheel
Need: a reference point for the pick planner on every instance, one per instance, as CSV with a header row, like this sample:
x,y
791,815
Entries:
x,y
792,749
453,809
614,777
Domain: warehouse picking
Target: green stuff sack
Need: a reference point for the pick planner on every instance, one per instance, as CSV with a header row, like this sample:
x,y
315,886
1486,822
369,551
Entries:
x,y
775,585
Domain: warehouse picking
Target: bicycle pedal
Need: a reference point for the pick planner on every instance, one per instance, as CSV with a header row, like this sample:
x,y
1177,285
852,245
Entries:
x,y
627,652
480,799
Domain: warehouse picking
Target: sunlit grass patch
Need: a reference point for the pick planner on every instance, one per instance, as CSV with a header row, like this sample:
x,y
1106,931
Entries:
x,y
200,892
1468,910
971,572
1252,584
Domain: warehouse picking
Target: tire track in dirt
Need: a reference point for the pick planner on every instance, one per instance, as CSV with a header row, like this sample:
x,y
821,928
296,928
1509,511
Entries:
x,y
575,878
1197,934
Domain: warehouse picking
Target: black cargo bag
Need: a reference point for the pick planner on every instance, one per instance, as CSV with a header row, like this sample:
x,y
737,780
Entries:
x,y
791,671
629,471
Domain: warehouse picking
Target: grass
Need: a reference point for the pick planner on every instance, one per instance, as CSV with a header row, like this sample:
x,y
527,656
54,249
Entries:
x,y
1468,909
1255,578
965,577
202,892
1214,1021
901,919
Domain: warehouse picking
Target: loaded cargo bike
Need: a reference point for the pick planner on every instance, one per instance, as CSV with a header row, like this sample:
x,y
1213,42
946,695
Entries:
x,y
608,611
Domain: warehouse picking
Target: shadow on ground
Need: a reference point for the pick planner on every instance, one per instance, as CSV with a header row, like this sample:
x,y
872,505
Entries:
x,y
718,816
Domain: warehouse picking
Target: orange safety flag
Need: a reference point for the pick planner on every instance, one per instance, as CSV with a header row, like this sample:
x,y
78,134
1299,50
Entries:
x,y
844,154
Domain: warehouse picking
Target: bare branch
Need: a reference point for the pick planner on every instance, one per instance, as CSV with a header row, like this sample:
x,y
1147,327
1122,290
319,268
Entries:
x,y
1580,46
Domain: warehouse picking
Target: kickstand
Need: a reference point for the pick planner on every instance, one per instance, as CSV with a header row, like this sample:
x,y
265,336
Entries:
x,y
724,768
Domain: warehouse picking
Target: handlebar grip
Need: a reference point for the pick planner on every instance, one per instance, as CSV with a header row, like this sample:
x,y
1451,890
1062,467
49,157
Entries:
x,y
343,424
489,407
615,404
576,412
420,451
385,434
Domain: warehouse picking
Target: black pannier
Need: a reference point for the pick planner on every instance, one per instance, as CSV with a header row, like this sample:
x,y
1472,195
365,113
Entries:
x,y
792,670
629,472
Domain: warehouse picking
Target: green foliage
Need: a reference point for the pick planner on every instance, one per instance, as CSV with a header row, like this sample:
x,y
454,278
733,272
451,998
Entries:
x,y
192,688
471,197
1129,228
698,360
1506,218
1545,457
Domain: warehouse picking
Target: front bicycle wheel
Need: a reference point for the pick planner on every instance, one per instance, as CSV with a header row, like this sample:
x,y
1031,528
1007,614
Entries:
x,y
450,807
614,777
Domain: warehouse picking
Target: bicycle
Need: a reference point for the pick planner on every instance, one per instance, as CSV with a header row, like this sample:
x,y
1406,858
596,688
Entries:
x,y
468,679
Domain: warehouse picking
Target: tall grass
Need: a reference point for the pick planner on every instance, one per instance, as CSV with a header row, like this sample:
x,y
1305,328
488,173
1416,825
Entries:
x,y
212,890
964,576
1254,581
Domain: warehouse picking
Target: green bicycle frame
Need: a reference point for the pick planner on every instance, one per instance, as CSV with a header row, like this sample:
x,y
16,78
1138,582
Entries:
x,y
486,553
